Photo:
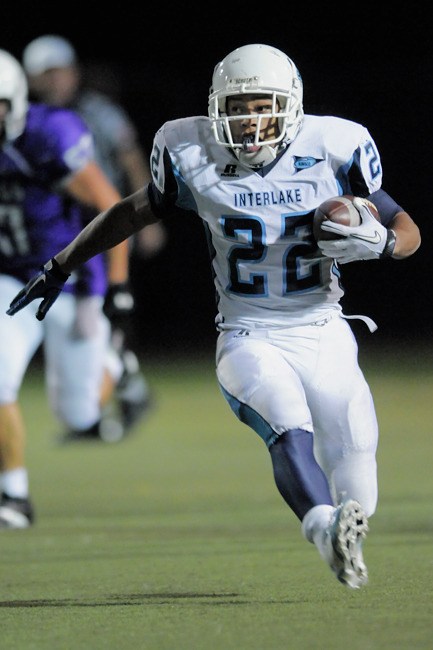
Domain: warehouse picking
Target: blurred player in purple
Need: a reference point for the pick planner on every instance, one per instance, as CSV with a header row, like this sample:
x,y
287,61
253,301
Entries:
x,y
47,172
56,77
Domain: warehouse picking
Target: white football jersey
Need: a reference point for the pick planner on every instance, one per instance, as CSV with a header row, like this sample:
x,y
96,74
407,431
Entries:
x,y
267,268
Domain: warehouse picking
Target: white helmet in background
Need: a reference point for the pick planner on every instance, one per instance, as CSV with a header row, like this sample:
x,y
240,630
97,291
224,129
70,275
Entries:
x,y
13,88
46,52
258,70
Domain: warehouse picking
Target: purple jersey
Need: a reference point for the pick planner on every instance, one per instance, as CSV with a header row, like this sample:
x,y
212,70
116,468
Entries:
x,y
37,218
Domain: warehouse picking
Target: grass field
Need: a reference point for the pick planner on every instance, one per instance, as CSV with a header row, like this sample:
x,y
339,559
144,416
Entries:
x,y
177,539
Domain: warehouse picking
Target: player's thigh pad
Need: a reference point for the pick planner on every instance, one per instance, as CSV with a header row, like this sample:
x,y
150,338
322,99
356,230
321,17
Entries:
x,y
261,387
20,337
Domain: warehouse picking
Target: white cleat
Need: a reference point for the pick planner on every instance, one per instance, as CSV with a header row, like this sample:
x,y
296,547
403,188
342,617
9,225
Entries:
x,y
15,512
343,539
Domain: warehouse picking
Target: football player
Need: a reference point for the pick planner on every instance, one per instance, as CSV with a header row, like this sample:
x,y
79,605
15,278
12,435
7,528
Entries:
x,y
47,175
254,170
55,76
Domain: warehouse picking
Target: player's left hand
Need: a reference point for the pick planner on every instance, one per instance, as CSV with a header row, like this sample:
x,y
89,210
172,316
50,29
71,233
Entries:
x,y
364,242
119,302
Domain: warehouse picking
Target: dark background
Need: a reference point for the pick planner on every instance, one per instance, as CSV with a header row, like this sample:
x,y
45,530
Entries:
x,y
364,63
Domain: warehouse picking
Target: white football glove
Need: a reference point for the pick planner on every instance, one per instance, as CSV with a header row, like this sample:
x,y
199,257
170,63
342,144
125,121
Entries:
x,y
364,242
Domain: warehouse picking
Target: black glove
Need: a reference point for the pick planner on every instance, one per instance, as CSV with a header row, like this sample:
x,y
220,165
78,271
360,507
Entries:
x,y
119,302
47,284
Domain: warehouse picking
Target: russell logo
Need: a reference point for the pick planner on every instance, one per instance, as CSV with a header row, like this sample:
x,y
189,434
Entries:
x,y
231,171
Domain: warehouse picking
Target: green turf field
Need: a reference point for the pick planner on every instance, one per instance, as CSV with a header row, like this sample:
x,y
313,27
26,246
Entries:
x,y
177,539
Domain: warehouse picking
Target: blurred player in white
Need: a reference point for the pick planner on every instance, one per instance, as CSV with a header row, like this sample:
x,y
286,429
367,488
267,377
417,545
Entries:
x,y
254,170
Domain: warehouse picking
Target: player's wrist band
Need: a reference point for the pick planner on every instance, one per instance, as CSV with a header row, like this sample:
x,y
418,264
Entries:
x,y
389,246
54,268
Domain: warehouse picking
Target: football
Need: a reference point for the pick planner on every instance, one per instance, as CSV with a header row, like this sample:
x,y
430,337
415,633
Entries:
x,y
339,209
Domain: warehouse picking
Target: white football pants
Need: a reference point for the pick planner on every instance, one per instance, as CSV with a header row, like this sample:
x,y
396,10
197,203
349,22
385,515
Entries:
x,y
73,366
307,377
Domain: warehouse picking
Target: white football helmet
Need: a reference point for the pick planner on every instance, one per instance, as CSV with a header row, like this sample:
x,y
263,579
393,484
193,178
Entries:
x,y
13,88
258,70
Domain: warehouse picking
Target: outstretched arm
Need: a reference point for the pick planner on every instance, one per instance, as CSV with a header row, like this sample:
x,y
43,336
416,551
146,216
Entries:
x,y
104,232
107,229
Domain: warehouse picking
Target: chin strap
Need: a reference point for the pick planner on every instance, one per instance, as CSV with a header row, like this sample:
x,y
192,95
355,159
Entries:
x,y
258,159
